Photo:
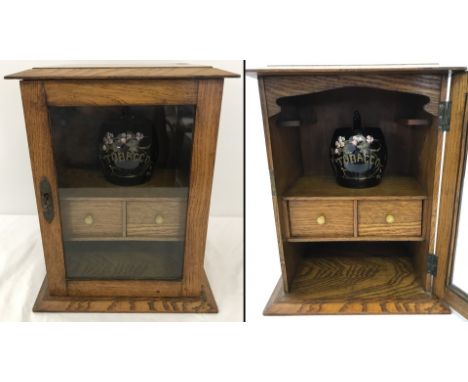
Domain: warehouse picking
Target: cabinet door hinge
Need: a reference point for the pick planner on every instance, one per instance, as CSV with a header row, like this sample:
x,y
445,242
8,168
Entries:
x,y
432,261
445,108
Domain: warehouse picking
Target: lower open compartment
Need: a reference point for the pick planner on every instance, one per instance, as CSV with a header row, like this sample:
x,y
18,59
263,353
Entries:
x,y
124,260
354,278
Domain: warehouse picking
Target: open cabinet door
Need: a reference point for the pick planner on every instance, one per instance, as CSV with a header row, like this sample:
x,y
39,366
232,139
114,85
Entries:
x,y
451,279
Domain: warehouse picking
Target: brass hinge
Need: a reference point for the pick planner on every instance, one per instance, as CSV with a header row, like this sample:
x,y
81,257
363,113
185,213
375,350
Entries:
x,y
445,108
272,180
432,261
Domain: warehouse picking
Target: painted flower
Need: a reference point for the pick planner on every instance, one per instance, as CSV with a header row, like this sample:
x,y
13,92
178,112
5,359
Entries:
x,y
139,136
337,151
369,139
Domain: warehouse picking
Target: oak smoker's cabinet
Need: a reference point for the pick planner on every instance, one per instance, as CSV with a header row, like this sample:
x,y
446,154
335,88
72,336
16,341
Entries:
x,y
122,161
383,249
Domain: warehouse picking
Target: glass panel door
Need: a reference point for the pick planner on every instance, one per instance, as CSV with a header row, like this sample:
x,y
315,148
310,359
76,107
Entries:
x,y
123,174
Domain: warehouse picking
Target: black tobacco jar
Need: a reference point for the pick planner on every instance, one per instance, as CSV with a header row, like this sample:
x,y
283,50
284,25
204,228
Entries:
x,y
358,155
127,149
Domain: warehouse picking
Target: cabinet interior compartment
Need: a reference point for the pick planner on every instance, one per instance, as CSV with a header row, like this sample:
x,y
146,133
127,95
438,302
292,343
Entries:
x,y
358,256
77,136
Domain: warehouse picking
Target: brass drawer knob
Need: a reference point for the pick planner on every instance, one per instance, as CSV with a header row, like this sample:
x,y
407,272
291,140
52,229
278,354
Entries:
x,y
89,219
390,219
321,220
159,219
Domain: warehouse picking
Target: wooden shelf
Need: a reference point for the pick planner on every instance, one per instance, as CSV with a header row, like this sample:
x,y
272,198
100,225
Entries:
x,y
92,178
123,193
320,187
354,284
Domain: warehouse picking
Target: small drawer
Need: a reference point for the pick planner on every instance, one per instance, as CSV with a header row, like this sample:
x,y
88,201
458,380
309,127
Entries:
x,y
321,218
398,218
156,219
91,219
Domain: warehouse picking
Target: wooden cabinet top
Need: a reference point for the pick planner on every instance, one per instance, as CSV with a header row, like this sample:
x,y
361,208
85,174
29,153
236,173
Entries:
x,y
353,69
121,73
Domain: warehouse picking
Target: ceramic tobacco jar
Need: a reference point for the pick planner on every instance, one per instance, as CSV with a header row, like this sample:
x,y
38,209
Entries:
x,y
358,155
126,149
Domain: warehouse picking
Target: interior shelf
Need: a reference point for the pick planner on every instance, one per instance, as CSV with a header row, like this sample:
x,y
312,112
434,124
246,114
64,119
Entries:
x,y
320,187
126,193
85,178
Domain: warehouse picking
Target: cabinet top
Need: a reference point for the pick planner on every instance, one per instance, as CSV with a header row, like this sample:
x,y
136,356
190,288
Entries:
x,y
281,70
121,73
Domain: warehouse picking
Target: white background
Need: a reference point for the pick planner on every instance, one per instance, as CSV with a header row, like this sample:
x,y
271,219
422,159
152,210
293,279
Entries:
x,y
361,348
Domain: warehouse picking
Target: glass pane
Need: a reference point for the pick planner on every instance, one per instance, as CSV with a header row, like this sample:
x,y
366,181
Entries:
x,y
460,265
123,175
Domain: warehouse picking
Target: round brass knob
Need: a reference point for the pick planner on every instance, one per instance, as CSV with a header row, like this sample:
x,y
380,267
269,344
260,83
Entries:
x,y
321,220
390,219
89,219
159,219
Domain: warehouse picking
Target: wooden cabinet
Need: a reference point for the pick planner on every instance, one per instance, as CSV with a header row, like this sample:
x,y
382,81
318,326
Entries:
x,y
122,162
383,249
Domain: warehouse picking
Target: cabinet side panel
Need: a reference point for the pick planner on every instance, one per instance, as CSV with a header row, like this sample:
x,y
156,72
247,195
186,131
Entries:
x,y
42,163
201,177
285,166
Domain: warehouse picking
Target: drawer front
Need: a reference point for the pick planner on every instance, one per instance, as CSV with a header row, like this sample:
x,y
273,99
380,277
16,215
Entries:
x,y
156,219
390,218
320,218
91,219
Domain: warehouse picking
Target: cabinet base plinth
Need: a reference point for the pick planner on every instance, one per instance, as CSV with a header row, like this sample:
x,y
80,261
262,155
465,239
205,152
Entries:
x,y
205,303
282,303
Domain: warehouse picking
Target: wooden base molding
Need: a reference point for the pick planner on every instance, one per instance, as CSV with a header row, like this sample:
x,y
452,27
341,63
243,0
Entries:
x,y
205,303
283,304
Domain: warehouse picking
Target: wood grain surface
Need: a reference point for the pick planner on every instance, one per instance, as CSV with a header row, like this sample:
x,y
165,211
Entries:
x,y
283,172
204,303
122,73
372,216
338,218
452,186
201,178
142,215
42,164
91,218
354,284
319,187
121,92
361,69
285,86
